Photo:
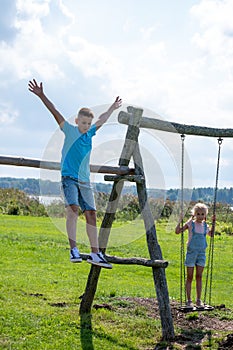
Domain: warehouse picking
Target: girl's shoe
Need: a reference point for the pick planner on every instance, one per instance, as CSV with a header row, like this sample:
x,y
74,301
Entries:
x,y
199,303
189,303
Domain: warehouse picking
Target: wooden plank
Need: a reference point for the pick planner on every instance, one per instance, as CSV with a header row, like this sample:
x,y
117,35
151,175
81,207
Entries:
x,y
132,261
130,178
158,124
36,163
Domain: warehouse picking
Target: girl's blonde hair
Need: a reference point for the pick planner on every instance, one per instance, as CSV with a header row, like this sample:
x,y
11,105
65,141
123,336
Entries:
x,y
199,206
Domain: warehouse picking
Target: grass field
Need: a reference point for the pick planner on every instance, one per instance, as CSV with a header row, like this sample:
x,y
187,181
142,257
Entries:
x,y
40,289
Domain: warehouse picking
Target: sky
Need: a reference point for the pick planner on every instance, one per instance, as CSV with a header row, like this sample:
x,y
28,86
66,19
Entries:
x,y
172,58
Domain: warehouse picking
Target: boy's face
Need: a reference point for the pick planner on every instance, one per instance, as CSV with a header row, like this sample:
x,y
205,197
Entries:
x,y
84,123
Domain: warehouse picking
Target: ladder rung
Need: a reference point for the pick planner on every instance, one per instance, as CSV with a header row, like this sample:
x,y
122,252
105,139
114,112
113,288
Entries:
x,y
132,178
132,261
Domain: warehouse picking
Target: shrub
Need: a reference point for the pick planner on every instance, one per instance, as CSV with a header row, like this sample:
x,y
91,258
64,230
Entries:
x,y
56,209
16,202
227,228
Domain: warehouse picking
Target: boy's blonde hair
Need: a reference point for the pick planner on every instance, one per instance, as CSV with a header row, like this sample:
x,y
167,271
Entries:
x,y
85,112
199,206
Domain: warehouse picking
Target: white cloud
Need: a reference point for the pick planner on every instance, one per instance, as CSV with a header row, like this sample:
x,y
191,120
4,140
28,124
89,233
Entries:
x,y
94,60
33,51
7,114
185,75
147,32
33,8
215,37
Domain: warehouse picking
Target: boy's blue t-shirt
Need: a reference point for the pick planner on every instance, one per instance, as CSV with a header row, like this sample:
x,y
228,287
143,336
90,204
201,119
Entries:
x,y
75,161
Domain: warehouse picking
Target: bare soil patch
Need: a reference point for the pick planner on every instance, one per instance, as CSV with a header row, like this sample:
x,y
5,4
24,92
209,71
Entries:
x,y
193,328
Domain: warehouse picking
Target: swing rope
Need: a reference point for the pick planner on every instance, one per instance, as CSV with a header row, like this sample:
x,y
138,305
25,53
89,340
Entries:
x,y
182,252
209,275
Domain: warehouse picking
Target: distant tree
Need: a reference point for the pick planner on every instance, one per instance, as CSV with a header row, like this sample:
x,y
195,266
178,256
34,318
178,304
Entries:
x,y
17,202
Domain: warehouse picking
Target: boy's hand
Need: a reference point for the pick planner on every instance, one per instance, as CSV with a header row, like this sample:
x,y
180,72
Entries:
x,y
117,103
104,117
38,91
35,88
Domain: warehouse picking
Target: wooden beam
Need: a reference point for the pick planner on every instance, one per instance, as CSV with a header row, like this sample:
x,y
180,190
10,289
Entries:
x,y
158,124
42,164
132,261
130,178
155,251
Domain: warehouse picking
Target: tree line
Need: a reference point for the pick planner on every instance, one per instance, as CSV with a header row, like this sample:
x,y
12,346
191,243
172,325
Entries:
x,y
36,187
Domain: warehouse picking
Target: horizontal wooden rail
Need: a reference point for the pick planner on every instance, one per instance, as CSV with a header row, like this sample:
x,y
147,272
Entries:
x,y
132,261
130,178
35,163
158,124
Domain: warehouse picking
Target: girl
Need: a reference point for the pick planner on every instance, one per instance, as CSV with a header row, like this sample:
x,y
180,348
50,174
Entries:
x,y
196,248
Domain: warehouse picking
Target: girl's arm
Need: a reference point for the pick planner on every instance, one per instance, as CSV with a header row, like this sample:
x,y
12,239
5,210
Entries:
x,y
212,229
179,228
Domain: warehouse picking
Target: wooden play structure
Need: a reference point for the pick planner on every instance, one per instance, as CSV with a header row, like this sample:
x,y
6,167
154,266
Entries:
x,y
134,119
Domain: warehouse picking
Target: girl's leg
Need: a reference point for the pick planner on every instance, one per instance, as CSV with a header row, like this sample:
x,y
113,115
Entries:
x,y
92,230
199,271
189,282
71,224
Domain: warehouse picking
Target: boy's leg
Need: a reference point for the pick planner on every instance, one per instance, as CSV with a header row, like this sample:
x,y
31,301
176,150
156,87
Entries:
x,y
96,257
71,224
199,271
87,204
189,282
92,230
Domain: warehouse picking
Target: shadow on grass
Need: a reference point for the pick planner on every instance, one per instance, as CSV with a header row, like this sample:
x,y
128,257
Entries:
x,y
87,333
188,339
194,338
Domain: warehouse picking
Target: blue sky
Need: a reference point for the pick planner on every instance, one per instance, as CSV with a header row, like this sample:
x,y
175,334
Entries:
x,y
172,58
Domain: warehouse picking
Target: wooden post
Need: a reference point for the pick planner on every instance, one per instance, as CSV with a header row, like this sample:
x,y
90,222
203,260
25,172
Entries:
x,y
127,152
131,148
154,251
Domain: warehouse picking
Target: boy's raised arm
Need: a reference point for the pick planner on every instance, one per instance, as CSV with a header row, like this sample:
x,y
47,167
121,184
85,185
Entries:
x,y
38,91
104,117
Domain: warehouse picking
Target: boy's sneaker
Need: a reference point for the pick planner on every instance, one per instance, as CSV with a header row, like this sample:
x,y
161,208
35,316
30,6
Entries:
x,y
99,260
75,256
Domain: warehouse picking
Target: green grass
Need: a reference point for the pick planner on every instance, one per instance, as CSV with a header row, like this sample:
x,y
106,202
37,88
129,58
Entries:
x,y
40,290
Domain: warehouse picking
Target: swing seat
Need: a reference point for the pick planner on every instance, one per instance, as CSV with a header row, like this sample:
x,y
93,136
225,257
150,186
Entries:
x,y
193,308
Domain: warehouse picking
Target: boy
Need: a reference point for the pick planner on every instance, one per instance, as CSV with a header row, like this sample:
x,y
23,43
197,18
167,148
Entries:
x,y
75,172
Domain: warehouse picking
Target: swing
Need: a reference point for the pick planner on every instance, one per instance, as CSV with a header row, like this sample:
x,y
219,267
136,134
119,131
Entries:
x,y
209,268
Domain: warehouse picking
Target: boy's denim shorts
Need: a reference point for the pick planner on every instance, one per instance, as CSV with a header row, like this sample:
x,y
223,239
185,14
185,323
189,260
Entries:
x,y
195,257
78,193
